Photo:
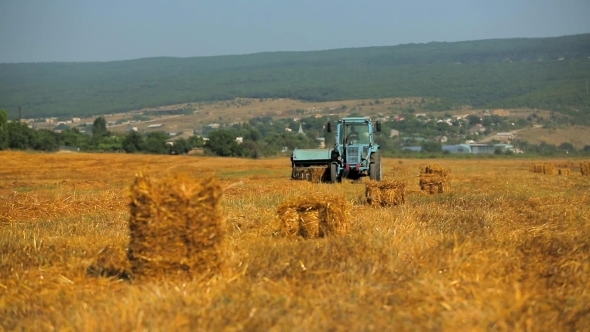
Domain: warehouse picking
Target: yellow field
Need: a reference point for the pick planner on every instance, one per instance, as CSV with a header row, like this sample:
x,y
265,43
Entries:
x,y
505,249
578,136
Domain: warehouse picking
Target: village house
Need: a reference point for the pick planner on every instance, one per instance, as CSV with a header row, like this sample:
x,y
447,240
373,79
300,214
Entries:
x,y
441,139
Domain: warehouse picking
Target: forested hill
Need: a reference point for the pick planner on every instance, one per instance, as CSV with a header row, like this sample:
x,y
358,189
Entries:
x,y
548,73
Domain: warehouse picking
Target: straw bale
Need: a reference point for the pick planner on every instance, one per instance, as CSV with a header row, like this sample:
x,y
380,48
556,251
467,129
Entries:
x,y
315,174
536,168
585,168
176,227
563,171
549,169
385,193
434,169
314,217
564,164
433,183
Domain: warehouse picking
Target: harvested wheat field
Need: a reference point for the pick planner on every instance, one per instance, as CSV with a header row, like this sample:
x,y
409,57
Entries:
x,y
506,249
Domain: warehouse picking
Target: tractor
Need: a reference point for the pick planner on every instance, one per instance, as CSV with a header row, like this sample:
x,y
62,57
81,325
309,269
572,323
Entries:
x,y
354,155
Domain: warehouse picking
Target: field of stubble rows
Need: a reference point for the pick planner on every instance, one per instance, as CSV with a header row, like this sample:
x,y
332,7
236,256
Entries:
x,y
505,249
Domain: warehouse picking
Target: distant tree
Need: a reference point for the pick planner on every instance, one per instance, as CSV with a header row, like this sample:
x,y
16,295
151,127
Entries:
x,y
196,142
132,142
180,146
431,147
222,143
250,149
20,135
72,137
99,127
156,143
3,130
565,146
546,149
473,119
45,140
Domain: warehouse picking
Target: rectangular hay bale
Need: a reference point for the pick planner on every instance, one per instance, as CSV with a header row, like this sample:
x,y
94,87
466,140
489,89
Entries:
x,y
385,193
314,217
563,171
549,169
176,227
433,184
434,169
585,168
315,174
536,168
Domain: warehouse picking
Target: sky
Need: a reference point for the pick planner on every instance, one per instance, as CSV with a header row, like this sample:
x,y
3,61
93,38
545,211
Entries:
x,y
107,30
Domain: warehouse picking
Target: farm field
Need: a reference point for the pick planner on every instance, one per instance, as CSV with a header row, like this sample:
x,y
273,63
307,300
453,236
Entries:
x,y
578,136
504,249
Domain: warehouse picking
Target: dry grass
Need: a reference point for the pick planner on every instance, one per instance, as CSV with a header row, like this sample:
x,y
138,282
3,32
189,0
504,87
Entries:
x,y
505,250
579,136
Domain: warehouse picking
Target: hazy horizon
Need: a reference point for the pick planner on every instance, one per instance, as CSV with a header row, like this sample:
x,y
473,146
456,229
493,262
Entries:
x,y
88,31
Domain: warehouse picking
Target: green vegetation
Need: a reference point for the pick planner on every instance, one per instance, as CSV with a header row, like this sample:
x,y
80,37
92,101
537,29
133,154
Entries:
x,y
267,137
547,73
16,135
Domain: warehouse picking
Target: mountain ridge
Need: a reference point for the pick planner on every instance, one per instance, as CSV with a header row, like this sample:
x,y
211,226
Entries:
x,y
493,72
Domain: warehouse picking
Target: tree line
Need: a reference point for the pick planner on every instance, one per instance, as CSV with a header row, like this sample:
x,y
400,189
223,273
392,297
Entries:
x,y
259,137
16,135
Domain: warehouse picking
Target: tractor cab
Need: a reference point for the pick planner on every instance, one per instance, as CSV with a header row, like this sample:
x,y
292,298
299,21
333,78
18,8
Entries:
x,y
355,152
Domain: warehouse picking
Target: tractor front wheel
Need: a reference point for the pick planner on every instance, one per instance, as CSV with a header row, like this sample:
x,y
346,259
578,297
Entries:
x,y
375,167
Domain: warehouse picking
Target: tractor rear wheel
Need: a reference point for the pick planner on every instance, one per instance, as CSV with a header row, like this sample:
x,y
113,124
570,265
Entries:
x,y
375,167
333,173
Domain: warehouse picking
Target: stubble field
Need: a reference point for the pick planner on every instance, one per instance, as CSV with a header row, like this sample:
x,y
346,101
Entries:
x,y
505,249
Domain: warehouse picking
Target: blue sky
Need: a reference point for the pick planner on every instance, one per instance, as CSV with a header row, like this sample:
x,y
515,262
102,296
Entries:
x,y
105,30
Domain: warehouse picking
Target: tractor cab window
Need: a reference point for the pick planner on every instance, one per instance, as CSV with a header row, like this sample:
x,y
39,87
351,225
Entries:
x,y
357,133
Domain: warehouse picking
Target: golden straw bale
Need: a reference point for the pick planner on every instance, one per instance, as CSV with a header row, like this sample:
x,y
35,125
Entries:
x,y
585,168
433,179
536,168
176,227
549,169
317,174
314,217
563,171
385,193
433,183
564,164
435,169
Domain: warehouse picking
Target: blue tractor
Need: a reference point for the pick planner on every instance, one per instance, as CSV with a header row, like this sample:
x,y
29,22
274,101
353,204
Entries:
x,y
354,155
